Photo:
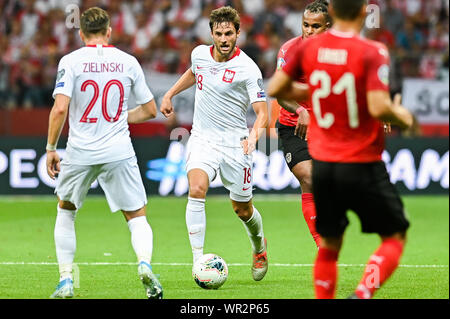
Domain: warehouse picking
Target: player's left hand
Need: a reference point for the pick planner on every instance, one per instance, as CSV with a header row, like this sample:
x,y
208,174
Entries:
x,y
302,124
249,145
387,127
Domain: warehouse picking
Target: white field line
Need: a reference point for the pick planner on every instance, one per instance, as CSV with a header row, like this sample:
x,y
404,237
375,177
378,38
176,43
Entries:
x,y
14,263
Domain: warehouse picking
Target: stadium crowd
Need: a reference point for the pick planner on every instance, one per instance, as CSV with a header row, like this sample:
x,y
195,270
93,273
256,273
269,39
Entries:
x,y
34,35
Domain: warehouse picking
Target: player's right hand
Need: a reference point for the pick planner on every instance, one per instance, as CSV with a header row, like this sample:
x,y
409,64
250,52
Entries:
x,y
166,107
407,116
53,164
302,124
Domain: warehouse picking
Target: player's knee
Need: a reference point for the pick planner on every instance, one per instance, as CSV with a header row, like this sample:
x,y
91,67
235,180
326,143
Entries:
x,y
197,191
244,211
400,236
304,176
332,243
67,205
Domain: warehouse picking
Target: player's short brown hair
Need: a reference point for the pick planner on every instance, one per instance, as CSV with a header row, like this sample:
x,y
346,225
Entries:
x,y
225,14
93,21
347,10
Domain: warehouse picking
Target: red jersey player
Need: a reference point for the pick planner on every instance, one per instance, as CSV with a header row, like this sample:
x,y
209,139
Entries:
x,y
294,117
348,82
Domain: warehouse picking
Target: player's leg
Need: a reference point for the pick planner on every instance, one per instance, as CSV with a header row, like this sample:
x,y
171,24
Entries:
x,y
381,211
142,242
73,184
325,267
124,190
299,162
236,175
141,234
198,180
252,221
201,167
381,265
65,244
331,223
303,173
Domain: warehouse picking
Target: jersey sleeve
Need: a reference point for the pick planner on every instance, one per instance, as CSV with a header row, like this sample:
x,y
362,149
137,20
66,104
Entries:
x,y
140,89
194,55
377,66
255,86
293,56
64,78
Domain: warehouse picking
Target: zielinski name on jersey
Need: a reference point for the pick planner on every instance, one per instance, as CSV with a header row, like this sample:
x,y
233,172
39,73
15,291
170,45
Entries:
x,y
102,67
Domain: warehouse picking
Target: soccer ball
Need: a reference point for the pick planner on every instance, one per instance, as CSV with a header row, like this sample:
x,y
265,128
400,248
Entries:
x,y
210,271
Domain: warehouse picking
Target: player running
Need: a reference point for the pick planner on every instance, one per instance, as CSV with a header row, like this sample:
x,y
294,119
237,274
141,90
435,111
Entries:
x,y
294,117
348,81
227,82
95,82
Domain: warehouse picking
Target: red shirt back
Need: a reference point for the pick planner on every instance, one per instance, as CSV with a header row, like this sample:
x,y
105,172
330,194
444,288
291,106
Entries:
x,y
340,69
288,118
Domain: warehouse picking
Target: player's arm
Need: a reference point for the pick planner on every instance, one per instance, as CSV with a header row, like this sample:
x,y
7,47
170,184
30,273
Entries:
x,y
383,108
184,82
57,118
303,116
262,119
281,86
142,112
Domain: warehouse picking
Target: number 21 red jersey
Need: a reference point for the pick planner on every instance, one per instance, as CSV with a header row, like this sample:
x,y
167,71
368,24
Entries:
x,y
341,68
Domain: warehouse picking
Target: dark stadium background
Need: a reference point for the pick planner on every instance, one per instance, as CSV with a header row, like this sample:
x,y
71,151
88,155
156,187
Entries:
x,y
34,35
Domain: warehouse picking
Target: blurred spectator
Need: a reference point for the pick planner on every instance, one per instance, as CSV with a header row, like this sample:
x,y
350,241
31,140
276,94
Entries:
x,y
182,16
202,31
30,19
162,33
294,18
271,15
393,18
254,7
410,39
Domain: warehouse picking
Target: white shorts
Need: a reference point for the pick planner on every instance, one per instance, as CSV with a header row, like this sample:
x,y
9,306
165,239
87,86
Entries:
x,y
234,167
121,181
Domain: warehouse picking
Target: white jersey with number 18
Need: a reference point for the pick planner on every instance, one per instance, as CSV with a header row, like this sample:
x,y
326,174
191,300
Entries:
x,y
99,80
224,92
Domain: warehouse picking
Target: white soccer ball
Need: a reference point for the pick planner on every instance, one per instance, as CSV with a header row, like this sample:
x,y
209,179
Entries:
x,y
210,271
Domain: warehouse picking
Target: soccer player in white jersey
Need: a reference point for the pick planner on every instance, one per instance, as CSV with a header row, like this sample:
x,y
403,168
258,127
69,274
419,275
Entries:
x,y
93,85
227,81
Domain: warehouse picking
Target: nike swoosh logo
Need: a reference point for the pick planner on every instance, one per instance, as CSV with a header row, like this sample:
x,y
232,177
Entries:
x,y
193,233
245,189
199,68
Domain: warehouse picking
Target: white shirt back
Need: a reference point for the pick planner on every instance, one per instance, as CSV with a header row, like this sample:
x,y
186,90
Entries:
x,y
99,80
224,92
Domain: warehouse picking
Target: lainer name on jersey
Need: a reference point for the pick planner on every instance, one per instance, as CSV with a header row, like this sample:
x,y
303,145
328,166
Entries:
x,y
94,67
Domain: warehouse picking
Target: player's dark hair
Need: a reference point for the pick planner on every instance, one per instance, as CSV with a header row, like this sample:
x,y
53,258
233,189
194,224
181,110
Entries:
x,y
347,10
320,6
225,14
94,20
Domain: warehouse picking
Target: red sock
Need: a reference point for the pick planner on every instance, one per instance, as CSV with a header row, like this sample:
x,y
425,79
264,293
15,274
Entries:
x,y
380,267
309,213
325,273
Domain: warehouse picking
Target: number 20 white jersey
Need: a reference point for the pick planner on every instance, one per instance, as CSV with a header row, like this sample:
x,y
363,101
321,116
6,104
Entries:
x,y
223,94
99,80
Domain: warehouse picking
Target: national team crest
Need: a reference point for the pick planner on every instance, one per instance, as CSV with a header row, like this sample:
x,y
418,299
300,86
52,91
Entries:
x,y
228,76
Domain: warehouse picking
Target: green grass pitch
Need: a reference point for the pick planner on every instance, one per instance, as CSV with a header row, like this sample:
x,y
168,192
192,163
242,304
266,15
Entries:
x,y
107,264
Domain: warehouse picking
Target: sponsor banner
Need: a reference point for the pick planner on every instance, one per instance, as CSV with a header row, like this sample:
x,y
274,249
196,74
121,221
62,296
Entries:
x,y
415,165
427,99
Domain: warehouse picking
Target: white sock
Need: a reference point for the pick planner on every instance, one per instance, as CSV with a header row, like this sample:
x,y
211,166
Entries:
x,y
141,238
196,225
255,231
65,241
